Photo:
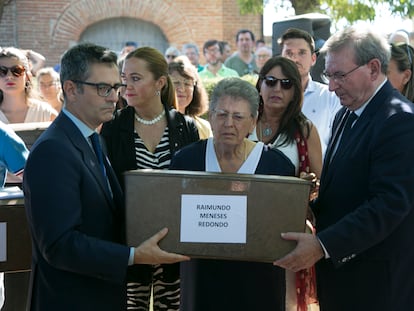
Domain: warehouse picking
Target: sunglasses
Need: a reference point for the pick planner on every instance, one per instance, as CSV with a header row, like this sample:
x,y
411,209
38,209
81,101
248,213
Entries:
x,y
16,71
271,81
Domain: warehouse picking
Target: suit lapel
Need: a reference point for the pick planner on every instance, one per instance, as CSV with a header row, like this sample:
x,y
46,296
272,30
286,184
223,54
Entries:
x,y
88,155
342,116
93,164
358,131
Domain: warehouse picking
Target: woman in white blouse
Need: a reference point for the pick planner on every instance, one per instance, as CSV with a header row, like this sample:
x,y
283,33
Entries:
x,y
17,105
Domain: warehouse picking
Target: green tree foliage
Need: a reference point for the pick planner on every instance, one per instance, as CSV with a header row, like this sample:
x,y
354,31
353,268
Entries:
x,y
351,10
305,6
250,6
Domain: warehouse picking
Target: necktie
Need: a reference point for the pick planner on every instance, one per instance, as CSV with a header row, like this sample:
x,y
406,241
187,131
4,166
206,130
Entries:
x,y
346,133
335,143
96,144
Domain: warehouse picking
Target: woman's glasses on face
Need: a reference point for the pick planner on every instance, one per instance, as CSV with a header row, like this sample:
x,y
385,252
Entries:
x,y
16,71
186,83
271,81
223,115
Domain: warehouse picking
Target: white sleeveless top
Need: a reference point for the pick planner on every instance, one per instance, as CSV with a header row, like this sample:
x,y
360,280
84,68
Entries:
x,y
290,150
248,167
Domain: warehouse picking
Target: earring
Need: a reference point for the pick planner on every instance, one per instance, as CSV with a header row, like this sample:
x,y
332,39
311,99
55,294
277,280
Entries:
x,y
27,86
157,93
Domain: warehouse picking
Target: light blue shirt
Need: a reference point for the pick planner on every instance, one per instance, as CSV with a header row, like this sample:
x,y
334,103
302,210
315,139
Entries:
x,y
83,128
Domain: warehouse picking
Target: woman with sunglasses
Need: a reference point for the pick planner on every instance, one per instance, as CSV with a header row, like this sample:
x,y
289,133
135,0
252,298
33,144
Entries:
x,y
282,125
17,104
281,122
400,69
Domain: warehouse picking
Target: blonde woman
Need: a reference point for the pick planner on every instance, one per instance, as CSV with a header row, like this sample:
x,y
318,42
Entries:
x,y
146,134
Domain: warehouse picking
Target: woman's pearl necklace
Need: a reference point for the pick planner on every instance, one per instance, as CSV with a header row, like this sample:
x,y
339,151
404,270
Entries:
x,y
150,122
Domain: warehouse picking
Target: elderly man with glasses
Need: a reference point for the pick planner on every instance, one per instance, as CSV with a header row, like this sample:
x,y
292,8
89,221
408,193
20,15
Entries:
x,y
171,53
365,208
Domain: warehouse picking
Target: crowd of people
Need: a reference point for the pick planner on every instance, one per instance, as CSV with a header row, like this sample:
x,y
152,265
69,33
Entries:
x,y
148,109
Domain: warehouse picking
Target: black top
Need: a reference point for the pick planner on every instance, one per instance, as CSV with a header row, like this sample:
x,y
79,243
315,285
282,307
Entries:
x,y
226,285
119,137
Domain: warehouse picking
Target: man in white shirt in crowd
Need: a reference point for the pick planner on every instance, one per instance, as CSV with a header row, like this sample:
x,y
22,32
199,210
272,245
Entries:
x,y
319,105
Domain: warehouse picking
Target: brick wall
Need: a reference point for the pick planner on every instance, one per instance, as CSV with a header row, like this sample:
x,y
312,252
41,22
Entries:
x,y
51,26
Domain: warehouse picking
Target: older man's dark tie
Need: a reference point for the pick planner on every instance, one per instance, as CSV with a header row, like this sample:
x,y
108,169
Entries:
x,y
346,133
339,140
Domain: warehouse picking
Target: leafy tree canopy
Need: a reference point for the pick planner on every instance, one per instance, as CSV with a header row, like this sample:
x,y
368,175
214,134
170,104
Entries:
x,y
351,10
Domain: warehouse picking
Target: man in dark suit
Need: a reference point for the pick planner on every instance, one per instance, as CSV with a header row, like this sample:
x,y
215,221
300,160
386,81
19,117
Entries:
x,y
73,200
364,212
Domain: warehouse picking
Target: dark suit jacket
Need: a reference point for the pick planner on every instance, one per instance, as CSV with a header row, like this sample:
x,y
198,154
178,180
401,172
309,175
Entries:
x,y
77,263
364,212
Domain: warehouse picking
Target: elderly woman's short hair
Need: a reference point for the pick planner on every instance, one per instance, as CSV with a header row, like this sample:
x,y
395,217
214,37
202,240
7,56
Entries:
x,y
238,89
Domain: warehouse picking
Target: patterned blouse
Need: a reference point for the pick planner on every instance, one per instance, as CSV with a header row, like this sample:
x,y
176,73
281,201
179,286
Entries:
x,y
161,157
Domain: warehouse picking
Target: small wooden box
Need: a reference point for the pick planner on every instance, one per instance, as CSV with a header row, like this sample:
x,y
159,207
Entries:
x,y
257,209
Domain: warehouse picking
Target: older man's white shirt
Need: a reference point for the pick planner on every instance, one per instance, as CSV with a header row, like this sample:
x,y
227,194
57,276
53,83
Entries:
x,y
320,106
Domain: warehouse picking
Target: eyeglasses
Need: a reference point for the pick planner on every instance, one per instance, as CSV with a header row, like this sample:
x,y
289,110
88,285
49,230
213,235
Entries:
x,y
188,84
263,56
16,71
339,77
212,51
271,81
103,89
222,115
47,85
